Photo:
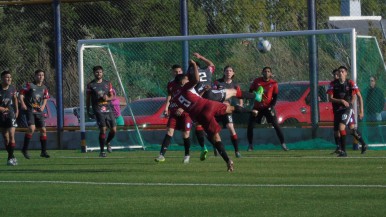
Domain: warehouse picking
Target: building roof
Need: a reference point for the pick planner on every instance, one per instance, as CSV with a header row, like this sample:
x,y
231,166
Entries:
x,y
362,24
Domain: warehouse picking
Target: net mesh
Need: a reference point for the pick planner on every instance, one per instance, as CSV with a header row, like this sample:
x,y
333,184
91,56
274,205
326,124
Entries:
x,y
145,69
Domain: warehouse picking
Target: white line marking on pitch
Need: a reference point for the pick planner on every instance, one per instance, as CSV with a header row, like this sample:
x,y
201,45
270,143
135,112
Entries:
x,y
197,184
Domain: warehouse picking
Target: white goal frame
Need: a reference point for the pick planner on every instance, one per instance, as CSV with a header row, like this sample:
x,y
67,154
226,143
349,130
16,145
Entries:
x,y
87,43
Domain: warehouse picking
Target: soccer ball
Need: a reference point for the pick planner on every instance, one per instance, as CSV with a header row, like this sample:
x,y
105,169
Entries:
x,y
264,46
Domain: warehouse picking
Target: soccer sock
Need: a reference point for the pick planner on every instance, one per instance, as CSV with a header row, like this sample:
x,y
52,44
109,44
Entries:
x,y
110,137
43,142
343,140
8,147
102,137
221,150
358,137
279,133
165,144
337,142
187,146
235,142
200,134
27,138
11,148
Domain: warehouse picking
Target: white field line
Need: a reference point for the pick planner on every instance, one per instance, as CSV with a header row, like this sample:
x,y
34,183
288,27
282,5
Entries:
x,y
196,184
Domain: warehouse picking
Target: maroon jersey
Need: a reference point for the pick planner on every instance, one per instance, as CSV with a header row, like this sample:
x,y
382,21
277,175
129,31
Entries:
x,y
34,96
270,88
199,109
97,91
171,87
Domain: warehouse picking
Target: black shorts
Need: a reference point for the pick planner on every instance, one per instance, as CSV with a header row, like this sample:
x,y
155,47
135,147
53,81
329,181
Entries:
x,y
343,116
225,119
36,119
269,114
215,95
105,119
7,120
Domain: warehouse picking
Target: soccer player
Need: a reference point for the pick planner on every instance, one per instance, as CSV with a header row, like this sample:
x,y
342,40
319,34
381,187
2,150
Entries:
x,y
202,110
178,120
33,100
99,95
265,107
8,114
227,82
335,74
342,94
204,89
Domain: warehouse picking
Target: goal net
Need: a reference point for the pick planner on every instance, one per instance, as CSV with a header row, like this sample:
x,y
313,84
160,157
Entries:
x,y
141,67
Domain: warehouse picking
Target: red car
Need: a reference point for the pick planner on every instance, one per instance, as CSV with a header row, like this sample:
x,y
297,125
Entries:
x,y
293,104
147,111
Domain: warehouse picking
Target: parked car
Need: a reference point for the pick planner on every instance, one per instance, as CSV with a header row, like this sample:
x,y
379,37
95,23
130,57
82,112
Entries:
x,y
293,104
147,111
89,122
50,113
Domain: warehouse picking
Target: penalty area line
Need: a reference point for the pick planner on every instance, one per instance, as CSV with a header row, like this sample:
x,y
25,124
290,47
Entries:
x,y
196,184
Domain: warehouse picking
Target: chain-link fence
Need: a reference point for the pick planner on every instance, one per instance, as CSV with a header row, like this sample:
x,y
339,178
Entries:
x,y
27,34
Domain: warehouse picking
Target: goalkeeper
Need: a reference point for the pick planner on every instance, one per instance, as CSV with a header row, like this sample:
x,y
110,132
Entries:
x,y
265,107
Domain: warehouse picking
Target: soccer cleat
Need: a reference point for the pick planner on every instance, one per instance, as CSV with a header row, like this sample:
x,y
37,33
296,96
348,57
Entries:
x,y
203,154
250,148
14,160
230,166
342,154
259,93
337,151
186,159
363,149
102,154
160,159
109,149
238,155
284,147
44,154
11,162
25,154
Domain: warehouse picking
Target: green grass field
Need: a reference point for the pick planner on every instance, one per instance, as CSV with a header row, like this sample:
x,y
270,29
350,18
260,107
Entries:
x,y
264,183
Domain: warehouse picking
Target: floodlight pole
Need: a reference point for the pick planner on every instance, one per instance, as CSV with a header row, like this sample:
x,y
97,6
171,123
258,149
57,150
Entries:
x,y
313,62
59,72
185,32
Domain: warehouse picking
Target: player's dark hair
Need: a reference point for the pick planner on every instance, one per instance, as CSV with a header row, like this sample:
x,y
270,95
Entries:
x,y
228,66
6,72
343,67
96,68
374,77
40,70
334,71
176,66
179,78
267,67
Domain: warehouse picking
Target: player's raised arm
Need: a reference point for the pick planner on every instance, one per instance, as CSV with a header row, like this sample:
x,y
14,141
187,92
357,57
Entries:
x,y
200,57
195,75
